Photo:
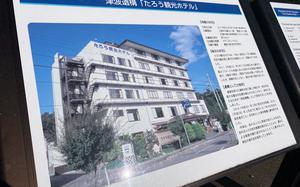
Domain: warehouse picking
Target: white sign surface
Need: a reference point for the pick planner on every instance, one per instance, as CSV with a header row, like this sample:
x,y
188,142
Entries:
x,y
288,16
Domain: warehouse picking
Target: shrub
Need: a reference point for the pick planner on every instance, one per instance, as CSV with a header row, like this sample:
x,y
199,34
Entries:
x,y
177,129
151,140
199,131
139,145
190,132
115,153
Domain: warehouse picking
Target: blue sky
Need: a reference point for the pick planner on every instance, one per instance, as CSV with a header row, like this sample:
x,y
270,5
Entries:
x,y
69,39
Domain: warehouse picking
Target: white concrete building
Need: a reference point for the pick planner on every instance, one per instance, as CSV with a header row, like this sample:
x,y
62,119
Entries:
x,y
141,87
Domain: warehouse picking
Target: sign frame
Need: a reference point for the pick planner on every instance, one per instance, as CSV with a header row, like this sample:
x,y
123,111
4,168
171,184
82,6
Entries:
x,y
279,47
277,82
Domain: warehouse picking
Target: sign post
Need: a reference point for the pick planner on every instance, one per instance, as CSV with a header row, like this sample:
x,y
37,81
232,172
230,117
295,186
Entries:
x,y
185,104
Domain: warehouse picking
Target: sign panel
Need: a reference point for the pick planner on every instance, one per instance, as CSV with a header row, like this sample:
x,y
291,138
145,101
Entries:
x,y
186,104
105,77
288,16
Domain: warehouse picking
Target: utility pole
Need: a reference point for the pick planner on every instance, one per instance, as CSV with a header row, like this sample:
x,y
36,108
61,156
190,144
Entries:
x,y
186,134
218,95
214,93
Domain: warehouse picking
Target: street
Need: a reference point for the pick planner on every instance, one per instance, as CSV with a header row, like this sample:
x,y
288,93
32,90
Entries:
x,y
213,143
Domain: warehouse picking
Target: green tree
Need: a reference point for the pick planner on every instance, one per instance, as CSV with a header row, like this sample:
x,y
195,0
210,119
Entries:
x,y
139,144
213,107
114,153
199,131
88,139
190,132
151,140
48,122
176,128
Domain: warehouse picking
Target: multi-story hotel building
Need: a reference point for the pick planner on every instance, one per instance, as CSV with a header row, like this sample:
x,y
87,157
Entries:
x,y
140,87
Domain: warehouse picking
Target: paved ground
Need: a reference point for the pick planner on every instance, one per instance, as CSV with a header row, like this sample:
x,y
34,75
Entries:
x,y
213,143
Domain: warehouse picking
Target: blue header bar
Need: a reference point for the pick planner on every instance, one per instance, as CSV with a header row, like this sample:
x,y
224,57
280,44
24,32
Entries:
x,y
164,5
284,12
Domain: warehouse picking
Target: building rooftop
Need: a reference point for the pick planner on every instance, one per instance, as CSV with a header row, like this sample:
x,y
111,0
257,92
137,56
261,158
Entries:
x,y
135,45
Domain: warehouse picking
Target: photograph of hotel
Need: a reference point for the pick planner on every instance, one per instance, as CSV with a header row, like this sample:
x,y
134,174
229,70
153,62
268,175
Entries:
x,y
140,86
139,99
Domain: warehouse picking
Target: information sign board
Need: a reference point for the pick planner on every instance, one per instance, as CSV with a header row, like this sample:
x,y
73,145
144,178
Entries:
x,y
107,77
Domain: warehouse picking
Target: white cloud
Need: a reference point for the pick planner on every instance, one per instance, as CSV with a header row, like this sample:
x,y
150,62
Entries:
x,y
186,41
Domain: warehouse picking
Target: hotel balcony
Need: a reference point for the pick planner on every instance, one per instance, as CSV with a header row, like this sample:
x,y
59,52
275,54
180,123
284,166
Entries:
x,y
126,101
138,84
75,97
73,61
158,61
137,70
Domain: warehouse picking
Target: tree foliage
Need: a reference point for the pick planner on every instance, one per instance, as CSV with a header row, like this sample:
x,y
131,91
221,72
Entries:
x,y
114,153
87,142
48,122
139,144
190,131
177,129
151,140
213,107
199,131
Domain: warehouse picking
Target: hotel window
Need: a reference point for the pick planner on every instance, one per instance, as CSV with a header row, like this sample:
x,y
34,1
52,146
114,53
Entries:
x,y
110,48
186,84
125,77
147,67
196,109
176,83
157,112
137,94
168,94
118,113
110,75
115,93
129,94
148,80
163,81
144,66
108,59
180,95
140,52
133,115
203,108
173,110
168,60
129,63
74,73
155,57
121,61
79,109
190,95
182,73
152,94
172,71
159,69
133,78
178,63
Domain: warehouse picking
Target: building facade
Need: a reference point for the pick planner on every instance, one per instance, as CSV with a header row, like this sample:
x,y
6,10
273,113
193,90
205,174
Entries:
x,y
140,87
